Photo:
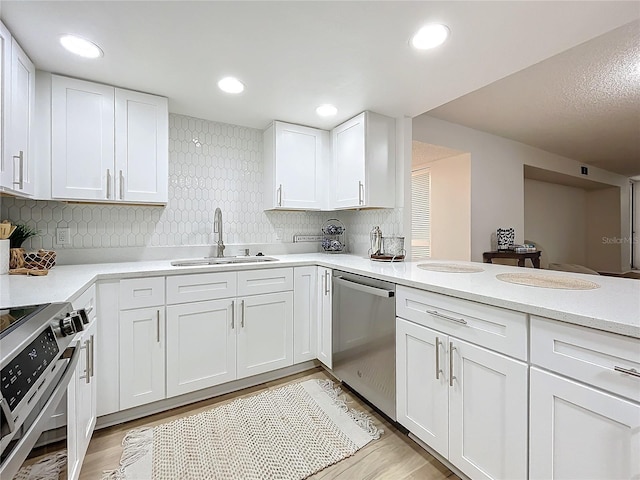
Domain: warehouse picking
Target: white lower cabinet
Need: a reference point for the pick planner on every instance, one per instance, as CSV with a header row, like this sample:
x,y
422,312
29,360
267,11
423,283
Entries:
x,y
305,313
324,319
580,432
584,403
201,345
142,356
466,402
228,337
81,403
265,333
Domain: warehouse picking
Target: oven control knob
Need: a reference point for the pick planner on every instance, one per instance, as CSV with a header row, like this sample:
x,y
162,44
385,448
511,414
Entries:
x,y
67,326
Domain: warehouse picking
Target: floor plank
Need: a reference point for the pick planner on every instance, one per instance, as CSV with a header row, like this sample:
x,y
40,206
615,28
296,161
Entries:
x,y
394,456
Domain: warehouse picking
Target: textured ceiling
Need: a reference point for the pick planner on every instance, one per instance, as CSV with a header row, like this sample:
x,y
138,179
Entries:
x,y
295,55
583,103
424,153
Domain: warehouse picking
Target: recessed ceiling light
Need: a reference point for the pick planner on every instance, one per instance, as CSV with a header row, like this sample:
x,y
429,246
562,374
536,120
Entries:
x,y
231,85
326,110
430,36
81,46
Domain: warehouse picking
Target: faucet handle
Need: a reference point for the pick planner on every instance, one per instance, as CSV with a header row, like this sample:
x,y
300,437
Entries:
x,y
246,252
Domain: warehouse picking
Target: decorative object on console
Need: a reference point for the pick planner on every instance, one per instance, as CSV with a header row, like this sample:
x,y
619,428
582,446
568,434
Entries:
x,y
333,236
506,238
392,250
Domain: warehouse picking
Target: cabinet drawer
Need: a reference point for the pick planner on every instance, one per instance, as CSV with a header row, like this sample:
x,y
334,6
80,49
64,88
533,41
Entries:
x,y
87,300
492,327
141,292
587,355
200,287
271,280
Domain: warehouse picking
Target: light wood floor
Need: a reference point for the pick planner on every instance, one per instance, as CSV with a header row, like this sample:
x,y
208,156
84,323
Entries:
x,y
394,456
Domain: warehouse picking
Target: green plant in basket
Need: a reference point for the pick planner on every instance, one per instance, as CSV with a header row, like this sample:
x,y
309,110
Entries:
x,y
20,234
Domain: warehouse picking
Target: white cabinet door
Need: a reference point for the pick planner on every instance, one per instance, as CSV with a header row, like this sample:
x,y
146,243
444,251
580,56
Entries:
x,y
82,142
579,432
349,163
295,166
142,356
201,345
17,155
487,412
305,311
325,316
422,387
108,356
81,403
6,167
265,336
142,149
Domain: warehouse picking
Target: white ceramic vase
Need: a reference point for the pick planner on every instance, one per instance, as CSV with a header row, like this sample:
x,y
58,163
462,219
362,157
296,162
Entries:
x,y
4,257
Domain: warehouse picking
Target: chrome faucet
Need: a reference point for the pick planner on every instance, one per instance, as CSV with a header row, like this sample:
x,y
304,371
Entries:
x,y
217,229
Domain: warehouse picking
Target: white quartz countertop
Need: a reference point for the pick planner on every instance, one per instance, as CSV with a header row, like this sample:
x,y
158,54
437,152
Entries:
x,y
614,307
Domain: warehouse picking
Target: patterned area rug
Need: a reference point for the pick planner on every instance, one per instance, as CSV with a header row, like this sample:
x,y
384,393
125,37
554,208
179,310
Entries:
x,y
547,281
287,433
48,468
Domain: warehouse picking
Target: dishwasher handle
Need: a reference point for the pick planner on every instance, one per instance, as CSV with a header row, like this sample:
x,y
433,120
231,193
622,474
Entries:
x,y
380,292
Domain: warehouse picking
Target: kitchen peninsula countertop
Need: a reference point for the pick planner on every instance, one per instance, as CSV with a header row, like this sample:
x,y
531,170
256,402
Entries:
x,y
614,307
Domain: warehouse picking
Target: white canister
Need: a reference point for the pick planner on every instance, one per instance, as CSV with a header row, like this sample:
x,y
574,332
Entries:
x,y
4,256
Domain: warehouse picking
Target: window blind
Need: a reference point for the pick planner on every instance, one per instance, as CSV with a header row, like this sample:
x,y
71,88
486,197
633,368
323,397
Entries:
x,y
420,213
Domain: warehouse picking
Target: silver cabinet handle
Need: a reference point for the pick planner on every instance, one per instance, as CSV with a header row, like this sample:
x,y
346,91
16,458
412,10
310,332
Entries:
x,y
233,314
451,375
93,355
435,313
121,186
87,368
88,310
326,283
108,183
629,371
279,195
158,326
360,193
437,358
242,319
20,181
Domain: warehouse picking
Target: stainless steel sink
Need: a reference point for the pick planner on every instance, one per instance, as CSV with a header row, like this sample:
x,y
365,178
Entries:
x,y
192,262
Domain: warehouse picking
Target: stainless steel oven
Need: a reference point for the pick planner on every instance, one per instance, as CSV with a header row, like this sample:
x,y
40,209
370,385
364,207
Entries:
x,y
364,338
38,357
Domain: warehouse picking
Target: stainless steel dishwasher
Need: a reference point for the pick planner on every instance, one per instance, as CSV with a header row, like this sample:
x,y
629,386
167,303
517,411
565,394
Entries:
x,y
364,336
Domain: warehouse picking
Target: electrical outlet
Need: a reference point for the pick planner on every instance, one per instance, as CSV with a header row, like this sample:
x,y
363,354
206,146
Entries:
x,y
63,236
279,233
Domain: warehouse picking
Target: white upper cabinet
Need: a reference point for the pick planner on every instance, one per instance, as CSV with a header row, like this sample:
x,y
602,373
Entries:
x,y
364,163
107,144
82,149
142,147
295,167
17,173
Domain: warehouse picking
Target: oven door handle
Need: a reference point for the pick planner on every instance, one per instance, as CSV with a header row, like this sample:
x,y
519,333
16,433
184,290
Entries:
x,y
19,453
380,292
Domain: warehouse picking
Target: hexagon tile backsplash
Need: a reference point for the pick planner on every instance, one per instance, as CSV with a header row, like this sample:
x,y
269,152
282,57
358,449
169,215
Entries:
x,y
211,165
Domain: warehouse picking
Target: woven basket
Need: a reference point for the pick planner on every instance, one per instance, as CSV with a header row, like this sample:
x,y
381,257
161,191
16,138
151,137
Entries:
x,y
16,258
40,260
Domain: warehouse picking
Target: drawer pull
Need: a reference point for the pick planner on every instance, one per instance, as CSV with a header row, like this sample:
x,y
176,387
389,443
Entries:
x,y
233,314
435,313
629,371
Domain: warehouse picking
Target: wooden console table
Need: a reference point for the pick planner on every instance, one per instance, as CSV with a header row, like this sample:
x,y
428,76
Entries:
x,y
487,257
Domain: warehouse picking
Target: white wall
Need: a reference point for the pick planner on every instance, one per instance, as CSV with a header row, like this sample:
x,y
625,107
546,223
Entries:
x,y
450,207
497,179
604,240
636,233
555,219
